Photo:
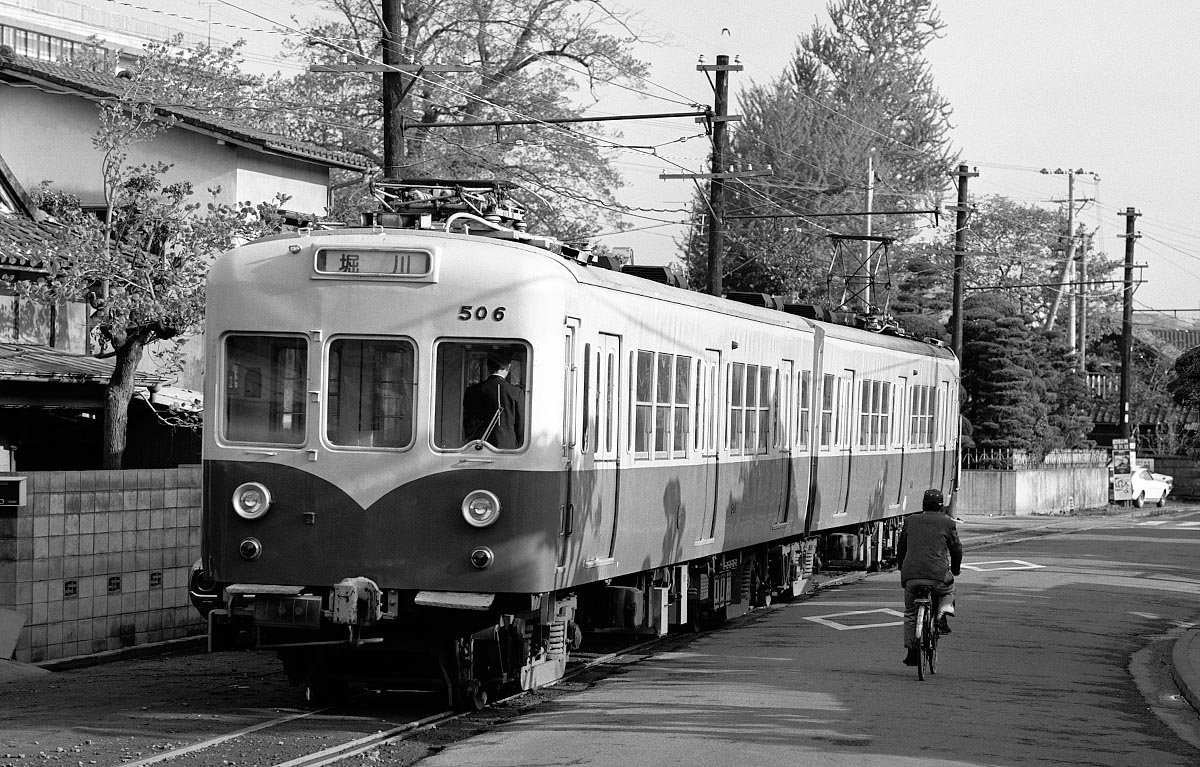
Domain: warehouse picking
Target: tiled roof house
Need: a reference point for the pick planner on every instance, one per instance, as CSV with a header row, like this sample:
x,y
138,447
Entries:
x,y
48,115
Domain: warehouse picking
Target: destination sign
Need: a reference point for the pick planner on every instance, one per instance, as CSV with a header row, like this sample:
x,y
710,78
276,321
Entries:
x,y
370,262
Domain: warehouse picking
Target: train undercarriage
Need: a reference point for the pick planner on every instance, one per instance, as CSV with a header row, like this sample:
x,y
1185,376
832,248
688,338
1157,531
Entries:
x,y
475,647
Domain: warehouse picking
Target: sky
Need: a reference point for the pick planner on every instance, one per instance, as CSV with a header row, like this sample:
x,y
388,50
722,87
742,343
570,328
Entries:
x,y
1099,86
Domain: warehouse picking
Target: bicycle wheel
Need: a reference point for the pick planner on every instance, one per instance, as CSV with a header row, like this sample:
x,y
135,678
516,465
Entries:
x,y
922,632
929,646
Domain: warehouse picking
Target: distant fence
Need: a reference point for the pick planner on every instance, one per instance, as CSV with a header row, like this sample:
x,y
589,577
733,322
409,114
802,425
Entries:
x,y
1013,460
1013,482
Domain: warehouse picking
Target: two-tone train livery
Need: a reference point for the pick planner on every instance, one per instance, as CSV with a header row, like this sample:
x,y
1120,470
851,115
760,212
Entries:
x,y
678,456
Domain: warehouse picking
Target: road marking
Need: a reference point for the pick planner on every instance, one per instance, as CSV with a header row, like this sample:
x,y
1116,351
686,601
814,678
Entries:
x,y
1189,524
1003,564
1147,616
1153,523
827,620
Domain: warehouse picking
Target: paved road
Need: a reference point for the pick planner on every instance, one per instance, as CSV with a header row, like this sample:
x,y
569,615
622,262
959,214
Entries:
x,y
1055,636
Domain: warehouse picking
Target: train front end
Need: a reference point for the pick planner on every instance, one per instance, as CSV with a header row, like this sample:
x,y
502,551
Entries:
x,y
358,518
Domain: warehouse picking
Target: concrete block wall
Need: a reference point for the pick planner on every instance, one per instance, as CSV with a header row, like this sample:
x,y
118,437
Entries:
x,y
100,560
1052,490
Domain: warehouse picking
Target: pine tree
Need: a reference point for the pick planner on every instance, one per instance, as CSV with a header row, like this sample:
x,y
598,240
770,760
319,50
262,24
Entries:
x,y
1000,373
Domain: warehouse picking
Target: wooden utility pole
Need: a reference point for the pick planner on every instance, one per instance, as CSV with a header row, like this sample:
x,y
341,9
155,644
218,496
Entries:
x,y
393,90
716,186
1127,325
960,251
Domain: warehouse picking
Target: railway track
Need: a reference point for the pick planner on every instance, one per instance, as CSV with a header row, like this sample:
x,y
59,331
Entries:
x,y
366,723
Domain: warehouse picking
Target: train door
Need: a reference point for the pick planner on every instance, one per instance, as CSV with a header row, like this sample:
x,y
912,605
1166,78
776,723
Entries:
x,y
844,438
782,430
574,428
596,492
899,430
943,430
706,435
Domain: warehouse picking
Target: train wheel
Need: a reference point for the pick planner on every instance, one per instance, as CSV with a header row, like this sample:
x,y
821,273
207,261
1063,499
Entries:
x,y
470,696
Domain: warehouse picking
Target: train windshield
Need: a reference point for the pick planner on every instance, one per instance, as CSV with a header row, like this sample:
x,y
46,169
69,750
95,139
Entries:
x,y
370,389
481,394
266,383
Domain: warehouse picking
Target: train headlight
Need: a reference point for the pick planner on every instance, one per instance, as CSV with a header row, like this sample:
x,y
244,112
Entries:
x,y
481,508
251,500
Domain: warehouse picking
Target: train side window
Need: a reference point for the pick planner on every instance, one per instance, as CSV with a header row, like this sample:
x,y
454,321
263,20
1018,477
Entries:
x,y
921,415
828,404
266,389
370,392
764,409
682,412
458,419
737,401
643,398
805,409
884,417
662,404
751,410
586,436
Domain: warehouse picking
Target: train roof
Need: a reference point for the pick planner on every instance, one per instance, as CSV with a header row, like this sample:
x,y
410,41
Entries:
x,y
486,211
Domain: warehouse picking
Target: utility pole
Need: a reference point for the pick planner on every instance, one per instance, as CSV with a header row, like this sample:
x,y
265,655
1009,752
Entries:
x,y
393,90
1068,262
960,251
716,186
1127,324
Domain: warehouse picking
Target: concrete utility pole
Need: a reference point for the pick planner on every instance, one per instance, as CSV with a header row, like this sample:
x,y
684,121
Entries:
x,y
1127,324
960,251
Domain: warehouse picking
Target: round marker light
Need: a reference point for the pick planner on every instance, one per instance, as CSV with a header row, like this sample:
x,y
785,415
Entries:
x,y
250,549
482,558
481,508
251,500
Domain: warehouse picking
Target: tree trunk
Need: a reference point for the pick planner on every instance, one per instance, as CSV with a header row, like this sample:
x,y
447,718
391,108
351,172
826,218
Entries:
x,y
116,403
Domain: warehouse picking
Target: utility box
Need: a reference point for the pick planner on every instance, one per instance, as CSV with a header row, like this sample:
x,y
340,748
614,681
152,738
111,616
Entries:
x,y
12,492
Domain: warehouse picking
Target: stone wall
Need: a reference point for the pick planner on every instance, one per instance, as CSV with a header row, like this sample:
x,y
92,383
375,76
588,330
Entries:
x,y
100,560
1051,490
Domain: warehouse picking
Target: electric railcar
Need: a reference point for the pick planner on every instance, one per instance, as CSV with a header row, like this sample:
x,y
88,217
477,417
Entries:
x,y
680,455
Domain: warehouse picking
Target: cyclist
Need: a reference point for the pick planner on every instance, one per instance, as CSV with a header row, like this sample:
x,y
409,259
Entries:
x,y
930,555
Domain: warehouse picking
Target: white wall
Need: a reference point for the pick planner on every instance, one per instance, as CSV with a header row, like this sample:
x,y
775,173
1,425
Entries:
x,y
45,136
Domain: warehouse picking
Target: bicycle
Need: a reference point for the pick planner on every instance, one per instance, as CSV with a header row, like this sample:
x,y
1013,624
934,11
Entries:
x,y
928,632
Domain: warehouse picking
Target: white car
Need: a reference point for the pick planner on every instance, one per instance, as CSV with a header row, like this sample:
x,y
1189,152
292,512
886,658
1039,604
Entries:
x,y
1145,485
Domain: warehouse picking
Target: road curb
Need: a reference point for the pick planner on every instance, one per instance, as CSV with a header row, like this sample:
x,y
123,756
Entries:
x,y
1184,657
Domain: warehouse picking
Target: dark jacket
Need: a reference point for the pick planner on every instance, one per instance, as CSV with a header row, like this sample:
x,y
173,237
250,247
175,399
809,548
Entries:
x,y
480,403
929,547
